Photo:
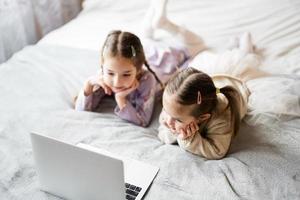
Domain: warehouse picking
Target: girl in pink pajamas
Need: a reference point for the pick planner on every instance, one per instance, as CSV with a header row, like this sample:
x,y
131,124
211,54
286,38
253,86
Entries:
x,y
125,74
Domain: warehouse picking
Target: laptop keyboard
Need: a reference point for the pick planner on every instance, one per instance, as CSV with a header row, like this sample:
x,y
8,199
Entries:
x,y
132,191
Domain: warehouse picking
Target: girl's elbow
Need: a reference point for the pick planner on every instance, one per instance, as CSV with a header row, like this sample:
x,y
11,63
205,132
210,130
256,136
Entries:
x,y
214,155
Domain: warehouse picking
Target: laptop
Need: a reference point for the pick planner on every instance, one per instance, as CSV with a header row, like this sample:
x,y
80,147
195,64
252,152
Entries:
x,y
83,172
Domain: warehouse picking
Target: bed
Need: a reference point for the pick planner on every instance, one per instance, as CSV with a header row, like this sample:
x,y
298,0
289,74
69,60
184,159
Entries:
x,y
38,85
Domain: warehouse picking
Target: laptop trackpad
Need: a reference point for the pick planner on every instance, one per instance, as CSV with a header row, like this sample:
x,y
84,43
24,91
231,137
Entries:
x,y
139,173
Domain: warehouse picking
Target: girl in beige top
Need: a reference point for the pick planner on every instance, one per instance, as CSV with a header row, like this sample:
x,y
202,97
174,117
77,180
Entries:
x,y
204,103
200,116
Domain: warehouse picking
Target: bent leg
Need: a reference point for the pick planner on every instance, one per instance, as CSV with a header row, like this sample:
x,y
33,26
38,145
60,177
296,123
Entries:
x,y
156,18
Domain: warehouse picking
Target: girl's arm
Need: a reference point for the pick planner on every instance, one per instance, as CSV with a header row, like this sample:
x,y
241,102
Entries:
x,y
92,93
90,102
215,145
140,110
164,133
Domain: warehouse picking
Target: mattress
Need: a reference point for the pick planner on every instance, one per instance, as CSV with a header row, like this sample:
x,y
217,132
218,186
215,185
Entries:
x,y
39,83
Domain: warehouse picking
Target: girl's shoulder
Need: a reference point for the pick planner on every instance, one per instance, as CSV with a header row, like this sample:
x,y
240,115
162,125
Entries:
x,y
222,110
220,117
147,82
146,76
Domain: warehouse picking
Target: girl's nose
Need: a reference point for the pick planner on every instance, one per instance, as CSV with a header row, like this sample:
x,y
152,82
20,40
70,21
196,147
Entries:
x,y
117,81
170,121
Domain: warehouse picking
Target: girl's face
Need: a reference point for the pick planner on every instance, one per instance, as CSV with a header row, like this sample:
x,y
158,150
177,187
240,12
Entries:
x,y
177,116
118,73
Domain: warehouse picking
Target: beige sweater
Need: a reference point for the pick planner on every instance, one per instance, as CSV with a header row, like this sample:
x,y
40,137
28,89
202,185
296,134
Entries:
x,y
219,129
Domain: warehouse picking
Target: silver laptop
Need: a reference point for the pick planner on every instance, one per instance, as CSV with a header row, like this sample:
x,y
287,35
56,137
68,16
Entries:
x,y
83,172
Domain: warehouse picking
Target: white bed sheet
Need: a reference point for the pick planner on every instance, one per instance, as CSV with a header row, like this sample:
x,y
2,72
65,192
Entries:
x,y
274,24
38,85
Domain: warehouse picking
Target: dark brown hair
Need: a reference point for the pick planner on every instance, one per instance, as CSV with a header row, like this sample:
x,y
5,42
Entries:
x,y
187,83
126,45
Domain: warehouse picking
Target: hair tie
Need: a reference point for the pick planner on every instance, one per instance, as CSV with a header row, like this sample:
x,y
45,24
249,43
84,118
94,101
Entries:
x,y
218,90
199,99
133,51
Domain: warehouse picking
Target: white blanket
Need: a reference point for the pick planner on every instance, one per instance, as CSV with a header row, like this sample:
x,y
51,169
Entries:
x,y
274,25
38,85
263,162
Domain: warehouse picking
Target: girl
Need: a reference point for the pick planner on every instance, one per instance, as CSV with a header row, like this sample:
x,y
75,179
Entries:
x,y
127,76
201,117
122,75
202,112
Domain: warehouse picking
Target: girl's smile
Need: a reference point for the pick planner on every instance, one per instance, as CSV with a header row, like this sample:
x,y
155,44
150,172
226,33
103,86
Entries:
x,y
118,73
118,89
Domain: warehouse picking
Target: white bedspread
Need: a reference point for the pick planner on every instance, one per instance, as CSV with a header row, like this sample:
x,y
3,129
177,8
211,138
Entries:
x,y
274,25
38,85
263,162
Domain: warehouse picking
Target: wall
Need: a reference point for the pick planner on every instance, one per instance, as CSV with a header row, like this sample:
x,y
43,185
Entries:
x,y
24,22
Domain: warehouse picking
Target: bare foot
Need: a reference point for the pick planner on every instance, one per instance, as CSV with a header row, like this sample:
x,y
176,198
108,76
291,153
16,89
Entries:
x,y
159,18
245,43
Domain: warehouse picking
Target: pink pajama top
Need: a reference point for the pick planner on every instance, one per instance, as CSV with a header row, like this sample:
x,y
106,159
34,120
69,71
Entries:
x,y
164,60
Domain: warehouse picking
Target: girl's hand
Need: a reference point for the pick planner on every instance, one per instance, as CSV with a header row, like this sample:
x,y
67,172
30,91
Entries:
x,y
121,96
124,93
188,131
163,120
95,81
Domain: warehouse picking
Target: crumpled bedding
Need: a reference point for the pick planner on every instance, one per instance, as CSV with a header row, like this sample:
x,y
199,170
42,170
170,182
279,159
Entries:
x,y
39,83
274,25
262,163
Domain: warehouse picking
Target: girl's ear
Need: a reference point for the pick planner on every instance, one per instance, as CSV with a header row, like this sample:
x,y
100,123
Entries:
x,y
204,117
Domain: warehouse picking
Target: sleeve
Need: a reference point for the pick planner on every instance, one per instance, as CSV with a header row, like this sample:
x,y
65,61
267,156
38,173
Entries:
x,y
139,109
89,103
215,145
164,134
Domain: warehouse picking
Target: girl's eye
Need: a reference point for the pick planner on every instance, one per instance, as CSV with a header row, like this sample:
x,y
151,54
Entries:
x,y
179,121
111,74
127,75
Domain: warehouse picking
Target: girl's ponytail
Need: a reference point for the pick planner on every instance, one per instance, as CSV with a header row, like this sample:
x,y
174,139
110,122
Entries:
x,y
232,95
